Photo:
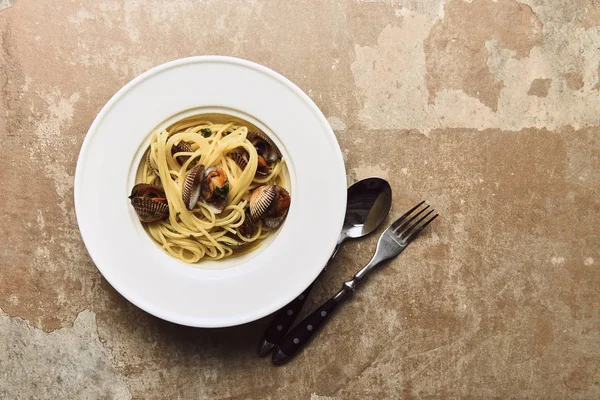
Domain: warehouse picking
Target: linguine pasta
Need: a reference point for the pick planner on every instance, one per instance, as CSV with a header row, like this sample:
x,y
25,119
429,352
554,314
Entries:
x,y
202,232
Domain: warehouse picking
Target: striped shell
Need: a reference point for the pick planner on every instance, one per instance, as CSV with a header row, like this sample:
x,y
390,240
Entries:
x,y
278,211
271,204
261,200
181,147
147,190
240,156
150,209
248,228
191,186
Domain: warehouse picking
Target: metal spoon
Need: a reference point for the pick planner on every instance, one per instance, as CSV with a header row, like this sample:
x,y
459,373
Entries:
x,y
369,202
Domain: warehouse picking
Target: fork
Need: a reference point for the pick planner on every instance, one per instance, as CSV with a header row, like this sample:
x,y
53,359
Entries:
x,y
392,242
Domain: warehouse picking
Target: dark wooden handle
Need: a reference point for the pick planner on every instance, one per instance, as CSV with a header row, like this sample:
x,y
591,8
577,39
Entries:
x,y
303,332
283,320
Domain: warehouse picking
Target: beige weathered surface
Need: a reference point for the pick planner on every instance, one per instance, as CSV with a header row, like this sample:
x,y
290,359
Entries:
x,y
488,109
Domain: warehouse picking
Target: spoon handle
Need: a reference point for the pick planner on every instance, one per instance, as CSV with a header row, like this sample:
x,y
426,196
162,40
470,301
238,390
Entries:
x,y
283,320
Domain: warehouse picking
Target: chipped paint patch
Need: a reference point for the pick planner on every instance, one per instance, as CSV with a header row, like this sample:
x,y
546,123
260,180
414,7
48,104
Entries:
x,y
315,396
390,76
337,124
456,46
66,363
397,93
6,4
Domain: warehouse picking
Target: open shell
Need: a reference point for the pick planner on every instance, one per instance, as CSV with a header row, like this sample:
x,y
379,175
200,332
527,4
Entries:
x,y
240,156
150,209
262,169
190,193
180,148
248,228
261,199
265,147
270,203
215,189
146,190
217,206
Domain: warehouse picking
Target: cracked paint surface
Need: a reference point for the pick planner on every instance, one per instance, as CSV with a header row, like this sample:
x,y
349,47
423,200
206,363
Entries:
x,y
489,109
69,362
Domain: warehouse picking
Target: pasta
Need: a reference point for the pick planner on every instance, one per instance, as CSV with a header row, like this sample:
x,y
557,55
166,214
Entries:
x,y
231,163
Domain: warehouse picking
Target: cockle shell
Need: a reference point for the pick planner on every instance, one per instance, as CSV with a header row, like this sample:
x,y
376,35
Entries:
x,y
149,202
181,147
190,193
146,190
150,210
248,228
269,203
264,147
240,156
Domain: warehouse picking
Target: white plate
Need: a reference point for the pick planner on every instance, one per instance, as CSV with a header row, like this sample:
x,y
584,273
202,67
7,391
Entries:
x,y
233,291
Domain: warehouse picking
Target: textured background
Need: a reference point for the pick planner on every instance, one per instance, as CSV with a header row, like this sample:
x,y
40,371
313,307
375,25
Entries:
x,y
488,109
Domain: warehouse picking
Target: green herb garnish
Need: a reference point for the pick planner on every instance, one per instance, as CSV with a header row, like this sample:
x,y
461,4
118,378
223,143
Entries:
x,y
206,132
222,192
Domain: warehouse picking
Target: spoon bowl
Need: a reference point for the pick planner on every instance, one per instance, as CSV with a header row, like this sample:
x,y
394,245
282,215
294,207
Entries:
x,y
369,202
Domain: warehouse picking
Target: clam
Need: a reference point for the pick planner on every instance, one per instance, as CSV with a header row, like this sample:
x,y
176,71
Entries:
x,y
150,209
240,156
248,228
269,203
180,148
215,189
147,190
264,147
190,193
262,169
149,202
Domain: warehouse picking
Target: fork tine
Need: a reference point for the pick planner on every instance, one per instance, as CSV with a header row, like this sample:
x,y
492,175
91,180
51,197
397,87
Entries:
x,y
407,223
397,223
412,236
407,232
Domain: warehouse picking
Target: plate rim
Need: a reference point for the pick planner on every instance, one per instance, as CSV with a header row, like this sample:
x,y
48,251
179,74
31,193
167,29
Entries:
x,y
85,148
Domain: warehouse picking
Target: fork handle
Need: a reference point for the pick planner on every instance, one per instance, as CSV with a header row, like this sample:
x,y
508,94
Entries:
x,y
302,333
283,320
